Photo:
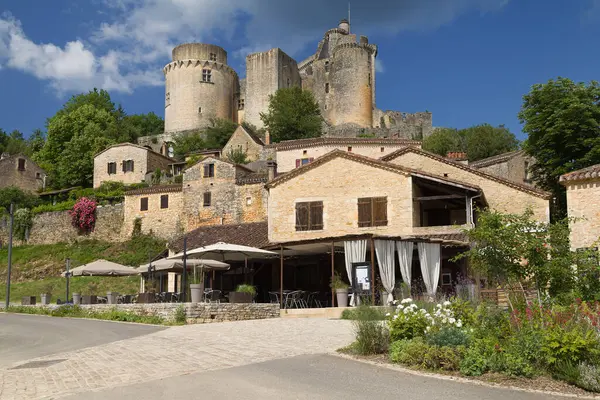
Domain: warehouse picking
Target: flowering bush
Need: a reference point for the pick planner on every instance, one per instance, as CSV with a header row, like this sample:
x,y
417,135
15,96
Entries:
x,y
410,321
83,214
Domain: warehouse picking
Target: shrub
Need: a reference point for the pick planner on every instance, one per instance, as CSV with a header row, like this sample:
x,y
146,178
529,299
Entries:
x,y
569,345
566,371
417,353
589,377
463,310
476,359
180,315
62,206
372,336
84,214
23,220
408,351
408,322
448,336
246,289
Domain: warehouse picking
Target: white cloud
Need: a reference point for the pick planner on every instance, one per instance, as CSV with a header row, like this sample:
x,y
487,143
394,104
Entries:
x,y
379,67
134,41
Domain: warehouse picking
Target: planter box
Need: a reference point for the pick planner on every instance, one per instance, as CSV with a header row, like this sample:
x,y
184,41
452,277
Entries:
x,y
240,297
91,299
45,298
342,297
146,298
28,301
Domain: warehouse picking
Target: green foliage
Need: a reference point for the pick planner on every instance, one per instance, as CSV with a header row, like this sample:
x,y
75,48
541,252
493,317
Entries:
x,y
251,128
237,156
137,227
245,288
156,176
337,282
408,325
561,344
448,336
479,141
293,113
371,333
180,316
22,223
463,310
561,120
62,206
76,311
589,377
419,354
566,371
188,143
367,135
18,197
219,132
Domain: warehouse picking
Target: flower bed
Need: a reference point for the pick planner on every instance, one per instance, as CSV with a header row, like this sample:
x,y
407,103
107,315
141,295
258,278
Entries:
x,y
562,343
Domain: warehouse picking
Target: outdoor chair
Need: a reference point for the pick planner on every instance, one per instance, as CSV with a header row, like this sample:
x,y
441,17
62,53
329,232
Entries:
x,y
274,297
101,300
214,296
292,299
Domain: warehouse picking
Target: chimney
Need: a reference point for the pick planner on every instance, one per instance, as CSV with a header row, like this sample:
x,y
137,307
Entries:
x,y
267,137
272,167
4,155
458,156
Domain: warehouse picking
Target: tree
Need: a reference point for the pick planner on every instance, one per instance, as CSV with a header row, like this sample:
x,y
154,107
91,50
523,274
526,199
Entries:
x,y
218,133
137,125
562,122
18,197
184,144
293,113
237,156
479,141
36,141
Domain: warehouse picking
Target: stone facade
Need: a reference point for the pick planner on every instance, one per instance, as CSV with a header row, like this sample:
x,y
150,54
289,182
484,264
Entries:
x,y
500,194
583,205
55,227
294,153
245,141
158,208
514,166
22,172
144,161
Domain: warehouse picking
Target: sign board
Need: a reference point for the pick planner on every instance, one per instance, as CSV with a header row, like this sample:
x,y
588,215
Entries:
x,y
362,281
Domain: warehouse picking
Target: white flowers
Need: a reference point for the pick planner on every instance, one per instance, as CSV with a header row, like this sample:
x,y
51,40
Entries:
x,y
406,301
447,303
387,314
407,312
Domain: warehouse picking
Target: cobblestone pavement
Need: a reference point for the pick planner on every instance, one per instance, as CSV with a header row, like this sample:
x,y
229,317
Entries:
x,y
172,352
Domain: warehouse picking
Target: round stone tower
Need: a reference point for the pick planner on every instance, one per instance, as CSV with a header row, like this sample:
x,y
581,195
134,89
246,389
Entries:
x,y
344,25
352,84
199,86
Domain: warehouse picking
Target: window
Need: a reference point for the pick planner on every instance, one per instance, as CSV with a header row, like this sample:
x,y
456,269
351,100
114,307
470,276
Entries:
x,y
212,57
327,88
303,161
304,152
38,175
248,201
164,201
21,165
309,216
206,199
326,66
288,82
240,104
127,166
382,149
369,81
527,177
209,170
446,279
372,211
206,75
350,148
167,99
111,168
199,110
144,204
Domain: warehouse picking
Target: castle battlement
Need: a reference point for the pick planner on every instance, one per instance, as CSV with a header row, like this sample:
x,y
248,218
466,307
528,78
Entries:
x,y
213,65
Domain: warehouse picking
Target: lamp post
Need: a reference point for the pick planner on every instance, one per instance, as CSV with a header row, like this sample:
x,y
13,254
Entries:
x,y
67,275
10,240
184,275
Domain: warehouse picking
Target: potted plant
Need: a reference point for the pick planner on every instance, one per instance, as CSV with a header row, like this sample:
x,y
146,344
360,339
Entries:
x,y
76,298
197,288
91,298
47,293
243,294
341,290
151,287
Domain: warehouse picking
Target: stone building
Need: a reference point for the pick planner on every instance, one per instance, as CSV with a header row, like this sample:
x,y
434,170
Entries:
x,y
583,205
128,163
514,166
20,171
244,141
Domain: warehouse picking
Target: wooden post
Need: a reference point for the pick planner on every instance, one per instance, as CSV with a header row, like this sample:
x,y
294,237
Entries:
x,y
281,276
332,273
372,271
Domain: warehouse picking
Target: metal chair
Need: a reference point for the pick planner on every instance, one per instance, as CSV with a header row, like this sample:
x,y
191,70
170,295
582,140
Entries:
x,y
274,297
214,296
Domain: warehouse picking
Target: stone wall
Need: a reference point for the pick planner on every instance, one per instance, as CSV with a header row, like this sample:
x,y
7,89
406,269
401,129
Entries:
x,y
31,178
242,140
164,223
119,154
516,168
55,227
583,203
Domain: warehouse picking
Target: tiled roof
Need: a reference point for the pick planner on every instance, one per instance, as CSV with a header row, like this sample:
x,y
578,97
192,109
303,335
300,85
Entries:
x,y
252,234
252,179
459,237
486,162
524,188
584,174
333,141
364,160
253,136
155,190
137,146
201,160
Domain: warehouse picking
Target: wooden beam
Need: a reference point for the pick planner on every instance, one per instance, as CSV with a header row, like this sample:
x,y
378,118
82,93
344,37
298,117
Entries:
x,y
444,197
332,273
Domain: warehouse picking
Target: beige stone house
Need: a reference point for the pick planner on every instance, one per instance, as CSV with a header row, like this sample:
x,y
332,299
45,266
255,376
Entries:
x,y
127,163
247,142
514,166
583,205
20,171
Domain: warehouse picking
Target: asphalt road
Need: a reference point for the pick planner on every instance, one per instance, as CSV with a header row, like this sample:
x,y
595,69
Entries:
x,y
23,337
307,377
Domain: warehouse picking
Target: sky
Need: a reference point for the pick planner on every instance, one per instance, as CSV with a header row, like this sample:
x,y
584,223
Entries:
x,y
466,61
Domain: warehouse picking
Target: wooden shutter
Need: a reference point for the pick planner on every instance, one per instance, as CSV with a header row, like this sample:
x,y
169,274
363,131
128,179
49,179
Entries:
x,y
131,161
206,171
311,159
164,201
108,168
316,216
298,163
124,166
144,204
211,170
207,199
365,215
302,216
380,211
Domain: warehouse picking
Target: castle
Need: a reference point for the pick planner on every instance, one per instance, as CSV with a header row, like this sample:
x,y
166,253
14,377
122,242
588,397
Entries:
x,y
341,74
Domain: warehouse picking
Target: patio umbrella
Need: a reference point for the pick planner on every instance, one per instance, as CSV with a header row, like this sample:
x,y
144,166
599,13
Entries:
x,y
102,268
166,264
225,251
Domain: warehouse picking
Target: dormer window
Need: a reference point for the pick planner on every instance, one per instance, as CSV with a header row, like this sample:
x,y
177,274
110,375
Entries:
x,y
21,164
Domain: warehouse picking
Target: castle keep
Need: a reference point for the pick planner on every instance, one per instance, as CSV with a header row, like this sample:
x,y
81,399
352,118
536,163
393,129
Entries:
x,y
200,85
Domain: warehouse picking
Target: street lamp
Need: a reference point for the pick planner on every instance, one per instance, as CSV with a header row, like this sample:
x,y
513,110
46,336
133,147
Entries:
x,y
10,240
67,275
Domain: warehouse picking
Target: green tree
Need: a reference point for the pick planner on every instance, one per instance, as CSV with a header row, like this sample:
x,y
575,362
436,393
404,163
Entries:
x,y
479,141
184,144
293,113
219,131
562,122
36,141
137,125
18,197
237,156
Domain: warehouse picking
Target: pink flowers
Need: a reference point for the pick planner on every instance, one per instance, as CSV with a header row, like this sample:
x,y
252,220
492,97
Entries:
x,y
84,214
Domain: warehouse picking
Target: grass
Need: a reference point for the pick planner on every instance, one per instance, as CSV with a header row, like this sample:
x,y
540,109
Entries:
x,y
36,266
377,313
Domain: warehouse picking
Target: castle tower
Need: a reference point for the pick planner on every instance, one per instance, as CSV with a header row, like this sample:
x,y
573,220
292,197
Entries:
x,y
199,86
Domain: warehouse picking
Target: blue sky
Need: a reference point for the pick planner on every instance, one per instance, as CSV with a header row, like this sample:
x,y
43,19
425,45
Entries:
x,y
466,61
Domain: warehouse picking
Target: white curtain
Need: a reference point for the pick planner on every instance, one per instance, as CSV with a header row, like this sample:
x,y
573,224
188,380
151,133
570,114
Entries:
x,y
385,250
354,251
429,256
405,255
